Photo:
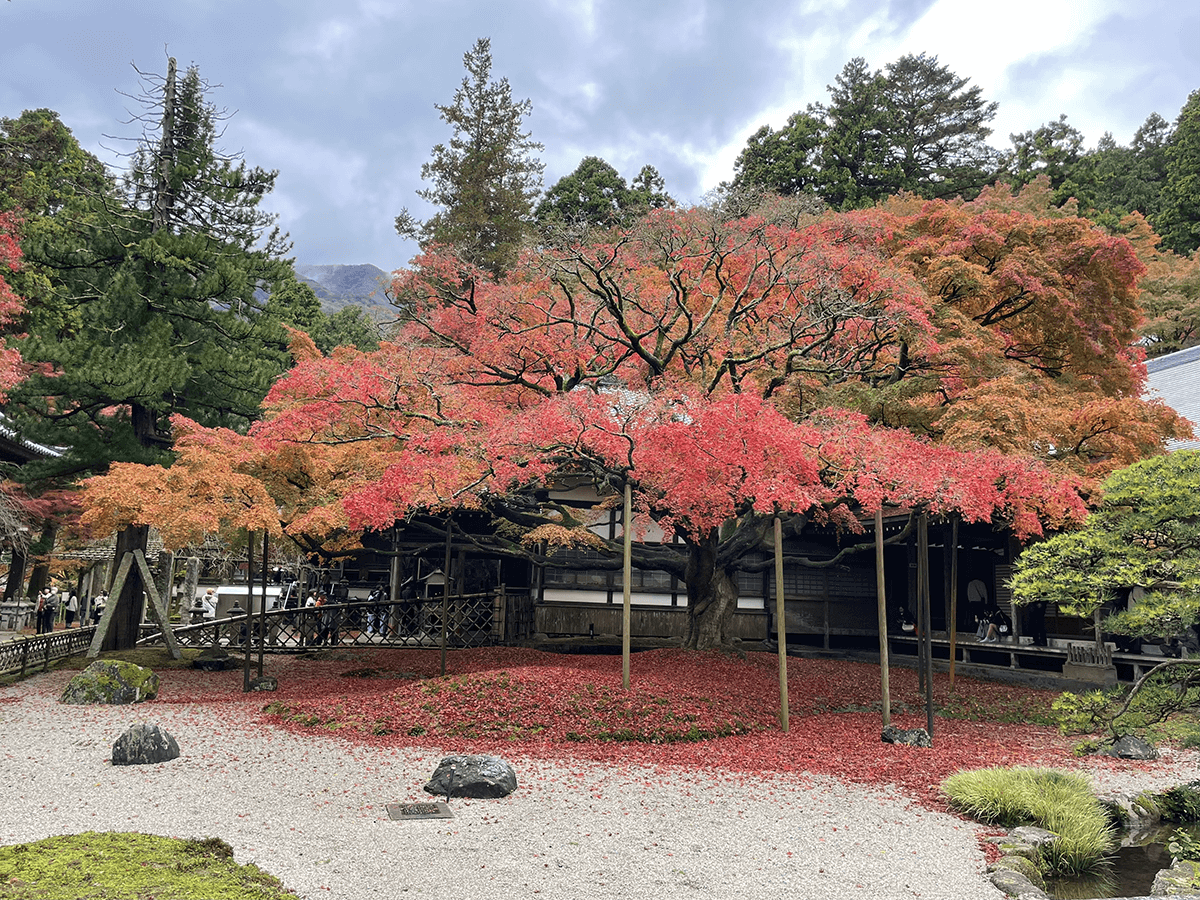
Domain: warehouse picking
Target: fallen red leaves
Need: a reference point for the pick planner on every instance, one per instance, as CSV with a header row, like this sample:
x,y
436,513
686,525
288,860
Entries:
x,y
685,709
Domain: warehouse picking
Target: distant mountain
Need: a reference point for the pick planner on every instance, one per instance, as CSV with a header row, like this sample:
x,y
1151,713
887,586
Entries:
x,y
341,286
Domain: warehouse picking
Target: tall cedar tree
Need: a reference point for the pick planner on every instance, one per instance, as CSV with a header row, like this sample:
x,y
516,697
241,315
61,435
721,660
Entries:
x,y
915,126
729,369
486,179
154,305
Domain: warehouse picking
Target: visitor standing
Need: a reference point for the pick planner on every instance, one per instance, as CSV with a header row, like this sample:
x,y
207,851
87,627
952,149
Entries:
x,y
72,608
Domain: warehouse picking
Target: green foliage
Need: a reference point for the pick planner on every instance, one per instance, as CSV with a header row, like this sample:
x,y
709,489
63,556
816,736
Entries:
x,y
485,179
596,194
1145,535
1166,692
1184,845
110,866
1057,801
1181,804
153,300
915,126
785,162
1055,151
1179,222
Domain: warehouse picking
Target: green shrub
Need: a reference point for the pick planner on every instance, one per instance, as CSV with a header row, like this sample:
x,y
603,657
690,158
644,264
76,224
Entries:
x,y
1057,801
1181,804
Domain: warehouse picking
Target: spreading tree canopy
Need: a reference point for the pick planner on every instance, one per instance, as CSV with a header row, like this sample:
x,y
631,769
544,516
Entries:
x,y
485,180
729,371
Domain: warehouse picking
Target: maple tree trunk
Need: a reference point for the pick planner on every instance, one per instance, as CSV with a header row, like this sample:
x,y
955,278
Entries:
x,y
127,617
712,597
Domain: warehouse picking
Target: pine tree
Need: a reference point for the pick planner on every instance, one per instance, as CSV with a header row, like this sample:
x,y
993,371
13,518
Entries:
x,y
155,305
485,179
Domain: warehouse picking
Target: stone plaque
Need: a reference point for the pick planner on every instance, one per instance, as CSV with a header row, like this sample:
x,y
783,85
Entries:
x,y
406,811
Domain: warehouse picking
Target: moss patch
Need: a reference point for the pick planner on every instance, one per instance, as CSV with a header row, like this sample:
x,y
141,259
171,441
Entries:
x,y
116,866
111,681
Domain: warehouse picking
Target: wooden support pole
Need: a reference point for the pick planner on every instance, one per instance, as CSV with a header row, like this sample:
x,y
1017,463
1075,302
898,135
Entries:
x,y
953,623
262,609
926,634
627,594
780,627
249,606
881,602
446,595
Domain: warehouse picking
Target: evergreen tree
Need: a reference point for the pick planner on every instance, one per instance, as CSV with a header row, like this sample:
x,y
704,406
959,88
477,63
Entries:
x,y
1054,150
1179,221
596,194
855,161
784,162
936,129
154,305
485,179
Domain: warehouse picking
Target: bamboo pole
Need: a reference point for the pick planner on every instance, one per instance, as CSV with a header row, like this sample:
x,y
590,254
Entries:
x,y
249,606
926,636
780,627
881,602
262,609
446,595
953,623
627,594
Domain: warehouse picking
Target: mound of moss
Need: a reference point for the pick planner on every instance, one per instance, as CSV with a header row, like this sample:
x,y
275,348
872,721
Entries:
x,y
124,866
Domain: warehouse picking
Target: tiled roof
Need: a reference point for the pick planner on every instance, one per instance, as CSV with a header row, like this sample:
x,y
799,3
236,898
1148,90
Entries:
x,y
1175,379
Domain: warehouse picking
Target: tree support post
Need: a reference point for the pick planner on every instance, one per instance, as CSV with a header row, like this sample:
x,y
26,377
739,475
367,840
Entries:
x,y
446,594
881,603
249,606
627,596
926,633
780,626
157,607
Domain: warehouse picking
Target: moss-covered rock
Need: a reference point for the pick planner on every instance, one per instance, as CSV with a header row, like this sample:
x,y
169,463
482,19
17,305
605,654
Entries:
x,y
112,682
1182,879
1023,866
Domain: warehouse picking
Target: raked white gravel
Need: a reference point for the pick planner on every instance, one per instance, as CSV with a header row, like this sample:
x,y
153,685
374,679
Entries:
x,y
311,810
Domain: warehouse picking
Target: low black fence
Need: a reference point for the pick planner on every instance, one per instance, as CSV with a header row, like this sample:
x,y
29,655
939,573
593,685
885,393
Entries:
x,y
471,620
25,654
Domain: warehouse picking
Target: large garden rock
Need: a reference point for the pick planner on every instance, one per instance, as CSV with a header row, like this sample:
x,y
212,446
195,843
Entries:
x,y
1130,746
914,737
483,777
111,681
144,745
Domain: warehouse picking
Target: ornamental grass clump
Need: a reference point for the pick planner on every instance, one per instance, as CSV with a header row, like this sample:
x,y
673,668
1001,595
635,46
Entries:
x,y
1056,801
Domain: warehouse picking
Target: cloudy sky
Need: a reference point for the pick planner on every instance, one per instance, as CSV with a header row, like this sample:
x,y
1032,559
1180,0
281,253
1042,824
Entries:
x,y
339,97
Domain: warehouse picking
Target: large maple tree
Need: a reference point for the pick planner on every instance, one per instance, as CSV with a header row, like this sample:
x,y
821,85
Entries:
x,y
729,371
